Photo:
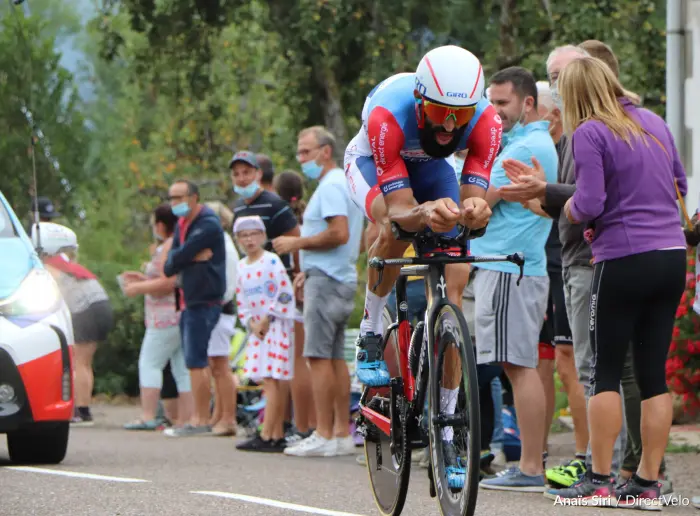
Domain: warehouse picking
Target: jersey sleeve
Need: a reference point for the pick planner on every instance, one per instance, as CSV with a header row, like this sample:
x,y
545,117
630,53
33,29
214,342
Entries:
x,y
483,144
386,140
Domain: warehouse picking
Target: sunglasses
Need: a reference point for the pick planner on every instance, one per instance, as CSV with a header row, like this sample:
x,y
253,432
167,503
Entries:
x,y
439,114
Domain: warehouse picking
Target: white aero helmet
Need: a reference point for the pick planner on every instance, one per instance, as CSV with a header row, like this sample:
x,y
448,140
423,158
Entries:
x,y
54,237
450,75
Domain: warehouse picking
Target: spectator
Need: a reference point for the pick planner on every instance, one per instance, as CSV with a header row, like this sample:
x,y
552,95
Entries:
x,y
290,187
630,390
578,274
330,244
161,343
266,309
198,258
508,318
555,338
277,215
246,175
223,419
91,313
639,254
268,173
47,210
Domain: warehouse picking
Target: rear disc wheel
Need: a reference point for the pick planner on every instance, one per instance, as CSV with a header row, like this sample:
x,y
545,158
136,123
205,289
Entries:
x,y
389,471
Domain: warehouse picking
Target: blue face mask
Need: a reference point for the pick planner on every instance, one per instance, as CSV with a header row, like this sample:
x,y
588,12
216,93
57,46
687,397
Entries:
x,y
181,210
247,191
311,169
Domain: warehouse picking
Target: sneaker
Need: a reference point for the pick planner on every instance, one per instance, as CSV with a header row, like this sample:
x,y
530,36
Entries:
x,y
187,430
313,446
424,461
345,445
696,502
453,466
631,495
485,464
667,493
258,444
361,460
499,457
296,436
586,491
371,369
567,474
512,479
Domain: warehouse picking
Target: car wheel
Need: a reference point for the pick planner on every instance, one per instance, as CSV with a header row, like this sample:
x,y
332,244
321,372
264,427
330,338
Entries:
x,y
44,443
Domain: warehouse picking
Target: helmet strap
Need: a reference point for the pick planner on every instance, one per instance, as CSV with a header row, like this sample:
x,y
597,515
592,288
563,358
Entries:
x,y
420,114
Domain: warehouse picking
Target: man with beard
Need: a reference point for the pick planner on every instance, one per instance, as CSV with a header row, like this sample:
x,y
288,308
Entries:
x,y
412,123
508,318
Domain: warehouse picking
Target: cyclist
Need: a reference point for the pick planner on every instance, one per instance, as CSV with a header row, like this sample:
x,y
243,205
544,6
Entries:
x,y
412,124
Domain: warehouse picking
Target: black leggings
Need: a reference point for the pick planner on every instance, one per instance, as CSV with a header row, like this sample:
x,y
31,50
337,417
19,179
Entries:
x,y
634,299
169,389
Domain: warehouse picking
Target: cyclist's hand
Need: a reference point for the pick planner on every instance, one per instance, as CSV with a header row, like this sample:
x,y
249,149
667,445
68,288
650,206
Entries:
x,y
442,215
477,213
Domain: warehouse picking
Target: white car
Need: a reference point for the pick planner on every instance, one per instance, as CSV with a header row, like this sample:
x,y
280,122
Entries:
x,y
36,339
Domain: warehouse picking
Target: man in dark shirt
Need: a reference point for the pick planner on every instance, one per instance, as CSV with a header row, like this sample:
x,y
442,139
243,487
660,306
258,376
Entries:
x,y
277,215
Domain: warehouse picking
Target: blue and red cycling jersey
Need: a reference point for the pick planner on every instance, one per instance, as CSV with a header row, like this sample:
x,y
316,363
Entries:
x,y
390,123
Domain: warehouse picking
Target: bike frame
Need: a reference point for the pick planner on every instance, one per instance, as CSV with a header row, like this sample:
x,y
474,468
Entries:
x,y
433,269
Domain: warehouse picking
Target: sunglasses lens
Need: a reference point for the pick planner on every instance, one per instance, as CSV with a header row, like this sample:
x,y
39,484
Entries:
x,y
438,114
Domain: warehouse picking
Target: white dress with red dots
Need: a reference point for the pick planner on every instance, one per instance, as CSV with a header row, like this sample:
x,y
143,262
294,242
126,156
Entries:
x,y
263,288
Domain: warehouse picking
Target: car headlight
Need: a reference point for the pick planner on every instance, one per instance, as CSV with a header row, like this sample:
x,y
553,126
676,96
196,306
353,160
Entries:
x,y
38,293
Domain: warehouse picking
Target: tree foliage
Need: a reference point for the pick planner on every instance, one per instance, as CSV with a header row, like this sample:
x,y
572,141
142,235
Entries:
x,y
181,84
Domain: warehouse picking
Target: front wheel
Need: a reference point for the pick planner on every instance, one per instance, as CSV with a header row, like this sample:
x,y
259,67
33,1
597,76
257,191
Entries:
x,y
454,415
41,443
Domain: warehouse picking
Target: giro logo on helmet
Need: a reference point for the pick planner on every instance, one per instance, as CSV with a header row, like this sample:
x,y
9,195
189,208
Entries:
x,y
457,94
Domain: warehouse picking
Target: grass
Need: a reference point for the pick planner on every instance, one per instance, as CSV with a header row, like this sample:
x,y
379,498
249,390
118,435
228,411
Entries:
x,y
682,448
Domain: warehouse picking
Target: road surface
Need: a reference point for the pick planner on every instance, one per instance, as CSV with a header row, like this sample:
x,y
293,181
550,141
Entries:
x,y
109,471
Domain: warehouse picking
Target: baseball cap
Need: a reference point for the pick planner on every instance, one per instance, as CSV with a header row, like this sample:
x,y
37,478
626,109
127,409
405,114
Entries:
x,y
46,208
246,157
250,223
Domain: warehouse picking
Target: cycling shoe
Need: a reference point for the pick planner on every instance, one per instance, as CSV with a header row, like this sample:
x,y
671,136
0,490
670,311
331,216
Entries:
x,y
453,467
371,369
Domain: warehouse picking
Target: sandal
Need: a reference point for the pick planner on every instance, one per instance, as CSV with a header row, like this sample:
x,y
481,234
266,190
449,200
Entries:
x,y
224,432
140,424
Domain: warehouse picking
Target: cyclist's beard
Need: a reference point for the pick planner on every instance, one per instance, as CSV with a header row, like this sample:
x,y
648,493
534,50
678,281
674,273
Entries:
x,y
430,145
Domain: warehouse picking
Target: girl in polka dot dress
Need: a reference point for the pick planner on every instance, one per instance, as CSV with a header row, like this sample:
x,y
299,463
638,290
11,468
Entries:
x,y
265,301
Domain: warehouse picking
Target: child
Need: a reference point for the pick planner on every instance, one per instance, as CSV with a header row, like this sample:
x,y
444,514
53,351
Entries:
x,y
266,309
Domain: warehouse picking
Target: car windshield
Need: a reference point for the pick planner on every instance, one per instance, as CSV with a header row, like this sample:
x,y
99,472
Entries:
x,y
7,230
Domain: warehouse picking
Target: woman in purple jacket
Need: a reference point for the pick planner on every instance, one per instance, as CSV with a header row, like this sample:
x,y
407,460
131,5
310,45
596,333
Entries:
x,y
626,167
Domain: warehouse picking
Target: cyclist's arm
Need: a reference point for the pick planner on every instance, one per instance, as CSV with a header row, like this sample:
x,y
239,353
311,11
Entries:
x,y
386,139
483,144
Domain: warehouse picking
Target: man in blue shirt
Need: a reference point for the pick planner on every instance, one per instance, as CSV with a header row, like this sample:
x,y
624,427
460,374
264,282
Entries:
x,y
329,247
508,318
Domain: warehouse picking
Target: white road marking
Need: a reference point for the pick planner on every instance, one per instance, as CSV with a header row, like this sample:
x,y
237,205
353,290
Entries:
x,y
75,474
275,503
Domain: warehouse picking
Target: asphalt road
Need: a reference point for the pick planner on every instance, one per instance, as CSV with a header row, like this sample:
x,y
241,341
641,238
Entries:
x,y
109,471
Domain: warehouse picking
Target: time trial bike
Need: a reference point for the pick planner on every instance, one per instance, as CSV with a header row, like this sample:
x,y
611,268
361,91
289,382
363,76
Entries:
x,y
437,359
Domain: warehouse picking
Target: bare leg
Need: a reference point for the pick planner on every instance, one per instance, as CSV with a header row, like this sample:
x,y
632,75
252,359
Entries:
x,y
324,387
302,393
528,395
574,391
605,419
225,392
342,398
545,370
201,390
83,354
274,410
657,415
